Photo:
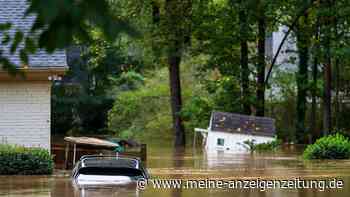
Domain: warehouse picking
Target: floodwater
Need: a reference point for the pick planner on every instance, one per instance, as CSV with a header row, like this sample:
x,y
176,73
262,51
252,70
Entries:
x,y
166,163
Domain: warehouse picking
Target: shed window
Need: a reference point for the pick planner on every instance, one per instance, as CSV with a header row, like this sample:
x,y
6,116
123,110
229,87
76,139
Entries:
x,y
221,142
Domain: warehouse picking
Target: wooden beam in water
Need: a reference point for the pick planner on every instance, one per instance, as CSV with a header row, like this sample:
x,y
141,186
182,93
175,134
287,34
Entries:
x,y
74,154
66,156
143,152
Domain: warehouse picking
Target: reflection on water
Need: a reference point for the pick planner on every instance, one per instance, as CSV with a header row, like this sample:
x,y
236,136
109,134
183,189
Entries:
x,y
187,164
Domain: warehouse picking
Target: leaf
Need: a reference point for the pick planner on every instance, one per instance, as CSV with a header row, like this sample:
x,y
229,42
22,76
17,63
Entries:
x,y
24,56
5,26
46,42
7,65
6,39
17,40
30,45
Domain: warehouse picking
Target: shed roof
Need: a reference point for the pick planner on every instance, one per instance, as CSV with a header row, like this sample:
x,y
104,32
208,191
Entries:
x,y
91,141
238,123
12,11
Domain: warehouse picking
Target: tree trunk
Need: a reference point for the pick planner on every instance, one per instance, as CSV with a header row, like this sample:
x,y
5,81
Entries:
x,y
327,75
155,12
314,85
337,78
260,91
245,95
337,89
176,100
176,17
302,80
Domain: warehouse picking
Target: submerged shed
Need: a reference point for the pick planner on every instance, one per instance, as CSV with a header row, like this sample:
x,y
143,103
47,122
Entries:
x,y
92,146
87,142
230,131
92,142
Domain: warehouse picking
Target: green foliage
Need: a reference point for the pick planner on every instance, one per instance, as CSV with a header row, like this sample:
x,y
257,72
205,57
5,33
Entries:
x,y
24,161
342,132
269,146
17,39
226,93
64,20
281,104
252,146
143,112
197,112
329,147
100,70
78,111
205,34
129,81
5,26
220,74
59,23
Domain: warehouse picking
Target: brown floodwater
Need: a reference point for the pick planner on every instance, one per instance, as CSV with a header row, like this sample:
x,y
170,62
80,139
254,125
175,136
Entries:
x,y
166,163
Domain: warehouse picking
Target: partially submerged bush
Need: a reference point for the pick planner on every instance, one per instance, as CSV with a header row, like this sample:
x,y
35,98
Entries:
x,y
269,146
262,147
329,147
24,161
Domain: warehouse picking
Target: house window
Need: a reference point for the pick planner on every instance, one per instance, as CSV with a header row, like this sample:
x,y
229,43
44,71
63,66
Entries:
x,y
221,142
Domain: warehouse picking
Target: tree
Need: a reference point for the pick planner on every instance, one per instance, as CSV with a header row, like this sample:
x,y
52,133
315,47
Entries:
x,y
315,63
261,65
303,43
177,14
243,34
327,65
97,72
216,39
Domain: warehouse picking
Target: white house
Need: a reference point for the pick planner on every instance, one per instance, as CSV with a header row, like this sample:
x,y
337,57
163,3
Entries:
x,y
25,103
227,132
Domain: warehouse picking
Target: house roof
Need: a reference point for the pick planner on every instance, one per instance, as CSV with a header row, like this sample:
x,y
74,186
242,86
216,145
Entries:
x,y
238,123
12,11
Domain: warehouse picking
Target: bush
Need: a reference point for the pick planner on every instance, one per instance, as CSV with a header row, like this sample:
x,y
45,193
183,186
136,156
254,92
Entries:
x,y
20,160
262,147
329,147
269,146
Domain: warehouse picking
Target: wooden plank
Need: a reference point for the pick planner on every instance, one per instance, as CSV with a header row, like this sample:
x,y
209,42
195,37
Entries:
x,y
143,152
66,156
74,153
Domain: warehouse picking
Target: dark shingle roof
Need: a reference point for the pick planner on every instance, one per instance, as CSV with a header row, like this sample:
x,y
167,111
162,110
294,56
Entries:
x,y
12,11
238,123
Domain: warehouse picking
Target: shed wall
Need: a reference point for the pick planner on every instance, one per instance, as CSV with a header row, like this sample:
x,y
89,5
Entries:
x,y
233,142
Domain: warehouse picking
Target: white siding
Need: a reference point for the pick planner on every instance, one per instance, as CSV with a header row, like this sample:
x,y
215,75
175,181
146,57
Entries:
x,y
25,113
233,142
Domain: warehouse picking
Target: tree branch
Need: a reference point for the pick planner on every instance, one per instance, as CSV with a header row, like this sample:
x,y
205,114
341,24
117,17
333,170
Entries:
x,y
303,11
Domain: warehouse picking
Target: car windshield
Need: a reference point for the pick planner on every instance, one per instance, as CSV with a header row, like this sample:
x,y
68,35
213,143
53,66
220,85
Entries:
x,y
110,162
111,171
111,166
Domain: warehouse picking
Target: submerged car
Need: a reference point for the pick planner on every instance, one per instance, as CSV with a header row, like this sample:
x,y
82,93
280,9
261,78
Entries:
x,y
93,170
